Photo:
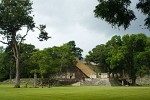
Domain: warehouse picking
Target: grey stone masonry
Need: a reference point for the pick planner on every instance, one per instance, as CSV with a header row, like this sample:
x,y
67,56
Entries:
x,y
143,80
96,82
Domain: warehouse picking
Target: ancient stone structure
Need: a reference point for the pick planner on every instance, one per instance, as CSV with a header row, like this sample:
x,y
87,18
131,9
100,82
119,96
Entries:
x,y
145,80
83,75
103,75
89,73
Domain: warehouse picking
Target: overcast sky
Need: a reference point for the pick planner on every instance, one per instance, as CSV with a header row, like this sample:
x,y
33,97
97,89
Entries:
x,y
68,20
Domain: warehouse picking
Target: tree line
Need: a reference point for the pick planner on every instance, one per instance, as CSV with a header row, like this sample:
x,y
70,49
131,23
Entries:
x,y
127,55
44,63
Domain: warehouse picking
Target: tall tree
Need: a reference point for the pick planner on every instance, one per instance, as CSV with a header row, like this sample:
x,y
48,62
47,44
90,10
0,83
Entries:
x,y
115,55
75,50
56,59
127,55
99,55
2,72
26,51
14,15
9,63
118,12
134,44
41,60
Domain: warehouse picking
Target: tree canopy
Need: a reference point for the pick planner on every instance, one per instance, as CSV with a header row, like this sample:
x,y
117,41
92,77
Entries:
x,y
44,63
124,55
15,15
56,59
119,13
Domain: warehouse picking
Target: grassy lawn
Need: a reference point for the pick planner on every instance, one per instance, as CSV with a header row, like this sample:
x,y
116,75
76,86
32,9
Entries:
x,y
7,92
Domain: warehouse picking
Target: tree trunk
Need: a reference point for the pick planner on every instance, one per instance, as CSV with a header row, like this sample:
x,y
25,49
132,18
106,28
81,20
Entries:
x,y
17,85
35,79
42,77
113,76
133,81
61,63
16,51
123,77
109,75
148,71
123,74
133,77
10,77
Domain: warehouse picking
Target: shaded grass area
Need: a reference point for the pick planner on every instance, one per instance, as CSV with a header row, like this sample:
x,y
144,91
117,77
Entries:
x,y
7,92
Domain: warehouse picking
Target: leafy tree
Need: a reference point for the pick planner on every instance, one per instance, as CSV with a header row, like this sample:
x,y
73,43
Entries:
x,y
99,55
144,6
1,49
26,65
115,55
127,55
63,57
9,63
14,15
2,72
56,59
118,12
51,61
41,60
142,58
75,50
134,44
62,54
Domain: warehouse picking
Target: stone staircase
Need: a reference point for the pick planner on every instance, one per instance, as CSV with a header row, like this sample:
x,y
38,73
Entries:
x,y
92,78
114,82
85,69
96,82
100,82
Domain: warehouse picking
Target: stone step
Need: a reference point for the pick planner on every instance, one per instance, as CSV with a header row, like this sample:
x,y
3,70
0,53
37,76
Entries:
x,y
96,82
85,69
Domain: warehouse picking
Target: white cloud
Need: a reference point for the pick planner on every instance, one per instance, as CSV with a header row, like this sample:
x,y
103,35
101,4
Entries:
x,y
68,20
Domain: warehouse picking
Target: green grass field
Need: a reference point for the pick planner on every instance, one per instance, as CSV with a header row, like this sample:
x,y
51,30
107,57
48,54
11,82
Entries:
x,y
7,92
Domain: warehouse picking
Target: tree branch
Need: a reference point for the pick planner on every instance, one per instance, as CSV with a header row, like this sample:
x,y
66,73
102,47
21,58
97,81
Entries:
x,y
24,36
14,52
43,34
3,42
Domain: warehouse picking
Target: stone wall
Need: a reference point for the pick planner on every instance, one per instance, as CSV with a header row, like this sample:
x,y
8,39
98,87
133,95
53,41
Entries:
x,y
104,75
96,82
143,80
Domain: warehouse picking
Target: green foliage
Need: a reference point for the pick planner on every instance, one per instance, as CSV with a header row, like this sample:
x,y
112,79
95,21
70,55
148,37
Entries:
x,y
118,12
2,54
75,50
8,61
115,12
144,6
99,55
56,59
43,62
127,54
1,49
26,51
43,35
14,15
